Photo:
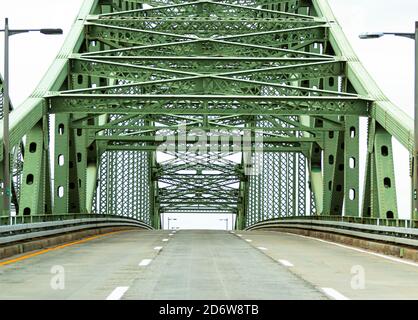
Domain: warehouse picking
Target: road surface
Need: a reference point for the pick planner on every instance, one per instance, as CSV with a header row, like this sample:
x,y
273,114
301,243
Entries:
x,y
206,264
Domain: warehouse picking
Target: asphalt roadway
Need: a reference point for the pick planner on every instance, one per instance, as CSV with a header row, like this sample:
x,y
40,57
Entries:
x,y
206,264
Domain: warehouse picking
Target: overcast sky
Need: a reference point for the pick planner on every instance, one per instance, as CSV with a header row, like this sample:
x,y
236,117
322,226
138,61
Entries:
x,y
389,60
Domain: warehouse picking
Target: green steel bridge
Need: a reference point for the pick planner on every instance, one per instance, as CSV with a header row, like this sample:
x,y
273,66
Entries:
x,y
133,74
245,107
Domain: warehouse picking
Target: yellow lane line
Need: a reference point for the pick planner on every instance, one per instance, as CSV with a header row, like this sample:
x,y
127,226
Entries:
x,y
37,253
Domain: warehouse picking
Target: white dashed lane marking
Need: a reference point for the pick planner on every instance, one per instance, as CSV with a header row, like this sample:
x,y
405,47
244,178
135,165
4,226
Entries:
x,y
145,262
286,263
334,294
410,263
118,293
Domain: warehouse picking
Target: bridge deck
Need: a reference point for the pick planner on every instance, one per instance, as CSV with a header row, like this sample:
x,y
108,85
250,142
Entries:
x,y
206,265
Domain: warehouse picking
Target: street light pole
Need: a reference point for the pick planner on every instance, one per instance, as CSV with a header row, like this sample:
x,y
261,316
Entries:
x,y
415,167
226,220
6,110
413,36
168,220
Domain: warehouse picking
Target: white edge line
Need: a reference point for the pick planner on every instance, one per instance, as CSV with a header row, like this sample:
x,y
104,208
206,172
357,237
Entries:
x,y
359,250
286,263
334,294
118,293
145,262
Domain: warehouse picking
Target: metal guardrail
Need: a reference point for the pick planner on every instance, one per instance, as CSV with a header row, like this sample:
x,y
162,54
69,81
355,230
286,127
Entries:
x,y
21,219
359,220
396,231
69,223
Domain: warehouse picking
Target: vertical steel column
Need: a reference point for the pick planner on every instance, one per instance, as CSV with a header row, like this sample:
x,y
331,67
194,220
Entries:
x,y
34,170
351,167
77,162
415,184
385,174
61,163
368,193
333,162
380,190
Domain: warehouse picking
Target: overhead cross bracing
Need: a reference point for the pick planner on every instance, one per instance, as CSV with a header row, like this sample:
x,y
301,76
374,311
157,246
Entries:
x,y
243,107
213,67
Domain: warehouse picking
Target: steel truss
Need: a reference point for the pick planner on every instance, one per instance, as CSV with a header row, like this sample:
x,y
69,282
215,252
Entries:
x,y
187,81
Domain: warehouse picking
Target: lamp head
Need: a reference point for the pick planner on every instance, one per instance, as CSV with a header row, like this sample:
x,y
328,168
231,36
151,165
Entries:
x,y
51,31
371,35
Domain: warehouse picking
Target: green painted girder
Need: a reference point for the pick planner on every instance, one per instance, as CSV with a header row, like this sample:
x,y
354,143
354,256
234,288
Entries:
x,y
208,105
209,85
191,196
284,38
285,74
266,70
31,111
185,182
196,125
295,39
35,190
290,5
193,139
194,62
189,201
283,66
171,170
111,35
178,182
206,28
192,186
199,179
195,129
148,148
196,183
206,48
209,9
192,199
114,70
198,210
392,118
199,163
